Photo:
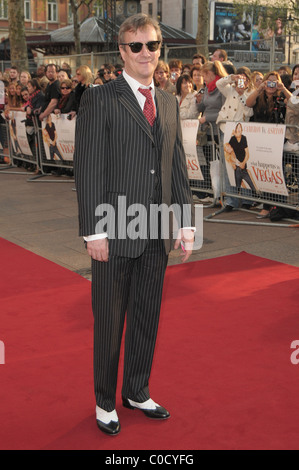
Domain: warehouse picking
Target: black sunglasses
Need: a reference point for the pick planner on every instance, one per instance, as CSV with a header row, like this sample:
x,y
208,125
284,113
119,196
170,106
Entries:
x,y
136,47
65,88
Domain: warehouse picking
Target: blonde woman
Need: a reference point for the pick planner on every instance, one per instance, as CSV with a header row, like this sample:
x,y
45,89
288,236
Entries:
x,y
85,80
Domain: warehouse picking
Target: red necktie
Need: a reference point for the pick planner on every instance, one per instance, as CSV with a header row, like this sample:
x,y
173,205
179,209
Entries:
x,y
149,107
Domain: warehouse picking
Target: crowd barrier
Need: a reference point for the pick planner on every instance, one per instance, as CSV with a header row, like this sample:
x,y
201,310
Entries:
x,y
270,179
47,146
271,176
202,157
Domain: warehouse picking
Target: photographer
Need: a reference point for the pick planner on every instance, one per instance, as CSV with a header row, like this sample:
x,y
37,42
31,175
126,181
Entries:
x,y
269,99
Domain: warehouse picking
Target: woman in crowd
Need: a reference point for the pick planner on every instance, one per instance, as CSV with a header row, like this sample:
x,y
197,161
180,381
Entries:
x,y
161,77
62,75
85,80
235,89
210,102
186,97
24,78
107,73
36,96
256,78
197,79
67,102
267,100
14,101
269,105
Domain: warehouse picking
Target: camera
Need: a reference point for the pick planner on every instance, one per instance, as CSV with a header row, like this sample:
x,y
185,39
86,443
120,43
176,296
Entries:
x,y
241,82
271,84
173,76
69,117
201,91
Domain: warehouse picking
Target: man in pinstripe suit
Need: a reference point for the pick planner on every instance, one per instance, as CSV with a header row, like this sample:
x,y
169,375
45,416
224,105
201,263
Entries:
x,y
120,156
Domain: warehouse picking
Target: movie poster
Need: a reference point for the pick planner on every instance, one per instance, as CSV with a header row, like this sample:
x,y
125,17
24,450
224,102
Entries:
x,y
59,137
189,132
248,28
253,156
18,135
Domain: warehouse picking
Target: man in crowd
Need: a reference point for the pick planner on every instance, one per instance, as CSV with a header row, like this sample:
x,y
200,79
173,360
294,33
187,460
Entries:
x,y
128,148
219,54
52,92
13,75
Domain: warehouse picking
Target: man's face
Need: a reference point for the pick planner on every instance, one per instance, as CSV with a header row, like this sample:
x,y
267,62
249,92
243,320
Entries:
x,y
13,74
215,56
197,61
140,65
51,74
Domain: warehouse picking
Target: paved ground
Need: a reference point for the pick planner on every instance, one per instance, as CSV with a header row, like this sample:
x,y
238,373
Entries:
x,y
41,216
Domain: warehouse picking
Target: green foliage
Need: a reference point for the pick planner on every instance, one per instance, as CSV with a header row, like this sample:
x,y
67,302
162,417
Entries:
x,y
268,12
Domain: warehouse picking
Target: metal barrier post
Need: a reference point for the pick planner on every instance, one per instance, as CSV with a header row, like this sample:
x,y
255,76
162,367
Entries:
x,y
207,152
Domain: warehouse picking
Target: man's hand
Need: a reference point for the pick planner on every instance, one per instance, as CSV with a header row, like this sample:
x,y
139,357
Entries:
x,y
185,239
98,249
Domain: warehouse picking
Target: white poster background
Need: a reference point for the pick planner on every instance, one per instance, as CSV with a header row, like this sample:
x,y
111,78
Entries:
x,y
265,144
65,142
189,133
18,133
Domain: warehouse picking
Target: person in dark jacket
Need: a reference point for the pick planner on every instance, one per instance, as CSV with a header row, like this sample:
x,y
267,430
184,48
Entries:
x,y
67,102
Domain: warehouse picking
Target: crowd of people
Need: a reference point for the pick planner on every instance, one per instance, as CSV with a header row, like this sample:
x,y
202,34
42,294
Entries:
x,y
211,90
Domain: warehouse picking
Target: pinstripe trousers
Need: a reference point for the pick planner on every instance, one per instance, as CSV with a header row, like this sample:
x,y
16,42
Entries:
x,y
133,286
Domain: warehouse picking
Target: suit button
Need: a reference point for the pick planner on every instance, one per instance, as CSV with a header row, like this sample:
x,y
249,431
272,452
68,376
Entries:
x,y
153,172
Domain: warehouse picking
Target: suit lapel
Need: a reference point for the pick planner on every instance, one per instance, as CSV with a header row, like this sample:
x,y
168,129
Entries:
x,y
128,99
160,103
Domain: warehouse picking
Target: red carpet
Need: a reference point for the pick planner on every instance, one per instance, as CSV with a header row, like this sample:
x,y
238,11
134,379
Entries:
x,y
222,365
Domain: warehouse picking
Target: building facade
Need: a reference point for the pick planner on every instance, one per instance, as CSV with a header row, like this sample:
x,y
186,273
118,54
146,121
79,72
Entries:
x,y
180,14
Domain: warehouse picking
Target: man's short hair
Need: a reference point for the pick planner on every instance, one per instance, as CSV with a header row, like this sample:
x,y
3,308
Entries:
x,y
222,54
52,65
139,21
201,57
175,64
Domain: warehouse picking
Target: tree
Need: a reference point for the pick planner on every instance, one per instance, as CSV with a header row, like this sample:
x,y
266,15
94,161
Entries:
x,y
75,6
203,27
269,11
17,37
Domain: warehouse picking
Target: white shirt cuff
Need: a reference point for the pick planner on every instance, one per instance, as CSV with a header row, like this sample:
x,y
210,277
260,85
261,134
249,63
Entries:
x,y
99,236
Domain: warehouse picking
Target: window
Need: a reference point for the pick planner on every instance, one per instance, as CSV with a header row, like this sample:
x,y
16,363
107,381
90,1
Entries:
x,y
184,16
27,11
52,10
159,10
3,9
150,9
97,9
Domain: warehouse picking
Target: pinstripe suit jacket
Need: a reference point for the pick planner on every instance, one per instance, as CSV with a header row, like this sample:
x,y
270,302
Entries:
x,y
112,145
